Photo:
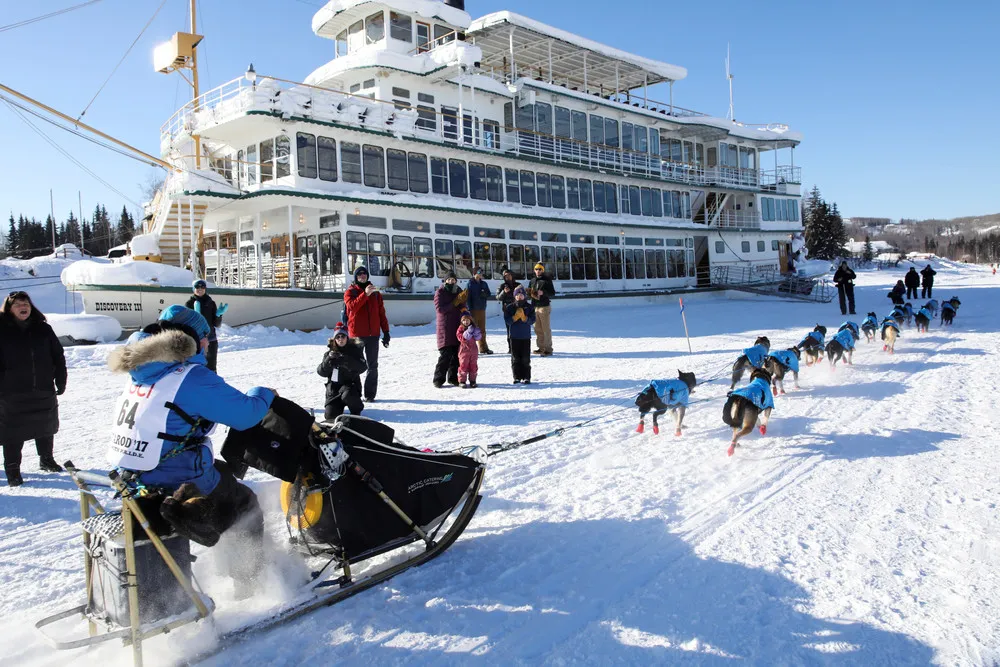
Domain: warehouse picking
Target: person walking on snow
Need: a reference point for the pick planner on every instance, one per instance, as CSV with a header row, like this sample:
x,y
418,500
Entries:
x,y
468,335
844,279
542,289
912,282
522,316
505,295
927,281
478,298
200,302
171,402
365,318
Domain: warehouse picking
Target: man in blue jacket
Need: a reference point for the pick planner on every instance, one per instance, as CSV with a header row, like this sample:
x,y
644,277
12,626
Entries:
x,y
479,296
160,427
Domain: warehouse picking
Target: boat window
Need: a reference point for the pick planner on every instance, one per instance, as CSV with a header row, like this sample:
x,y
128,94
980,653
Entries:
x,y
423,256
326,221
603,264
355,36
745,246
646,198
625,202
657,197
442,35
640,141
651,263
439,176
513,187
678,211
586,202
720,247
572,193
240,168
457,178
548,256
402,255
401,98
341,49
451,230
543,118
611,132
374,166
627,136
331,260
350,162
629,264
424,97
562,122
634,200
640,264
444,256
481,251
367,221
327,158
411,225
375,28
760,246
267,160
610,201
305,155
578,123
491,134
599,199
499,251
531,256
699,154
667,208
400,27
426,118
544,198
688,152
477,180
417,172
577,264
449,122
558,192
607,240
528,188
676,152
516,265
463,259
494,183
596,129
712,153
423,37
378,255
355,87
616,263
252,165
679,260
396,168
357,250
283,163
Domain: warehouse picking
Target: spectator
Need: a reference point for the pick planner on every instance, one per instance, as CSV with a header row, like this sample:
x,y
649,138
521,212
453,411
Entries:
x,y
365,318
927,275
505,295
897,292
479,297
844,279
912,282
468,354
542,290
33,374
521,315
342,366
201,302
448,304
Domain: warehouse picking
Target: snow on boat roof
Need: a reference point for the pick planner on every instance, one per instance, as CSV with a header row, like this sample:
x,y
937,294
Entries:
x,y
330,19
532,40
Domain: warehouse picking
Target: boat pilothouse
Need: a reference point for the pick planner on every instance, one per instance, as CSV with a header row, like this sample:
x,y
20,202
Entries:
x,y
432,142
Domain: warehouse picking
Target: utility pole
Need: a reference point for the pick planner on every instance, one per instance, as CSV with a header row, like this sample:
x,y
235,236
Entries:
x,y
52,211
79,198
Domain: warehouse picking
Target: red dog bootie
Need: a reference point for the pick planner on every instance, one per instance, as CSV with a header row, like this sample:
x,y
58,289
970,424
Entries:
x,y
641,428
763,429
656,430
732,449
677,433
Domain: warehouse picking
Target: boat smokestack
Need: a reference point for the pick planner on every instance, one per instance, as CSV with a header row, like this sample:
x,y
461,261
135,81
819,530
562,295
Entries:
x,y
457,4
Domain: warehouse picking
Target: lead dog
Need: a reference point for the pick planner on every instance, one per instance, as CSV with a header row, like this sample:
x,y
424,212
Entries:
x,y
780,362
841,345
948,310
870,326
746,406
752,357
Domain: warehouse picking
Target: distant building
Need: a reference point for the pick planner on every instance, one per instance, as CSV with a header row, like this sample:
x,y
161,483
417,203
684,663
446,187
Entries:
x,y
857,248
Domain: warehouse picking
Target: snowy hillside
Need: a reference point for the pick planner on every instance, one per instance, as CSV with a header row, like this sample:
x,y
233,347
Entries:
x,y
861,530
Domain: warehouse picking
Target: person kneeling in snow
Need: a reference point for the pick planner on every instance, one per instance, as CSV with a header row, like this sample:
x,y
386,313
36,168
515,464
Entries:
x,y
342,367
160,442
662,395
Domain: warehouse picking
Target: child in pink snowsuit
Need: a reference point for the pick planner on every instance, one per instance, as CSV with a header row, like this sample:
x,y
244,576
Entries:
x,y
468,350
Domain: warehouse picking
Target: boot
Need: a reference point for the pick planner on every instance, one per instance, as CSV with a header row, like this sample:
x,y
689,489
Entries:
x,y
48,464
13,476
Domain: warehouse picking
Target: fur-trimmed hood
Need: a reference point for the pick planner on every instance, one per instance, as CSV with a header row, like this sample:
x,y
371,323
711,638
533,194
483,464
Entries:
x,y
149,356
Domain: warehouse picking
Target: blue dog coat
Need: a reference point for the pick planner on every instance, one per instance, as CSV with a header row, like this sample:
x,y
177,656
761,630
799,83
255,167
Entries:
x,y
757,392
787,359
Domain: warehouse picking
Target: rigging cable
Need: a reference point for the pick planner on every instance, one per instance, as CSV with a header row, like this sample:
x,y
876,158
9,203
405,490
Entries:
x,y
127,51
25,22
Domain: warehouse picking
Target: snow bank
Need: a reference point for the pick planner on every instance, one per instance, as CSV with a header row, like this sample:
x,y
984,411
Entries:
x,y
144,244
810,268
128,273
89,328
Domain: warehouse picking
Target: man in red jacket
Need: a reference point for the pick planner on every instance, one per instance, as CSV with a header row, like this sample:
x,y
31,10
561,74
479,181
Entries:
x,y
365,318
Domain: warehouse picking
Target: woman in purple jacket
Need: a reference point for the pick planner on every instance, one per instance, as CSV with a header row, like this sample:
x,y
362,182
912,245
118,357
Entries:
x,y
449,315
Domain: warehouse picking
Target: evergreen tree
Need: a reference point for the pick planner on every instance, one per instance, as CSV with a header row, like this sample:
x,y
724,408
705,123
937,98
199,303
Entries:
x,y
12,236
868,253
126,227
72,230
824,228
88,235
50,229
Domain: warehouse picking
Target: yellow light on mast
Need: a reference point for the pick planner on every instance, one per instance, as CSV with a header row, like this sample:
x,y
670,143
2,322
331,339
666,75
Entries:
x,y
177,53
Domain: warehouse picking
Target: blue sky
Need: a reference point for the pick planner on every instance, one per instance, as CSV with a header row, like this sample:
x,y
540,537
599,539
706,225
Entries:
x,y
896,99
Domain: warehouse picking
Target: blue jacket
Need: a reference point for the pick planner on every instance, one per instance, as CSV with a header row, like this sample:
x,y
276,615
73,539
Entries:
x,y
812,339
787,359
755,355
926,313
870,323
520,330
479,294
889,322
845,339
757,392
671,392
203,394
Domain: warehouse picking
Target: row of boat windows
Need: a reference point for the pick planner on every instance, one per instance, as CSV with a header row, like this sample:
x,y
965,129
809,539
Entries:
x,y
720,246
371,30
376,167
544,119
772,209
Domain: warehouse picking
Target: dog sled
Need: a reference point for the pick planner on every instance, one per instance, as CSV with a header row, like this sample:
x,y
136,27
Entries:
x,y
359,507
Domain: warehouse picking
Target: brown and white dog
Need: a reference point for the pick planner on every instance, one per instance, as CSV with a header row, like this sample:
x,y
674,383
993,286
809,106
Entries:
x,y
746,406
775,364
890,332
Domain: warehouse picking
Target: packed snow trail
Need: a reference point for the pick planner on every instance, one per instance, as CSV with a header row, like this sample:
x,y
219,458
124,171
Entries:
x,y
861,530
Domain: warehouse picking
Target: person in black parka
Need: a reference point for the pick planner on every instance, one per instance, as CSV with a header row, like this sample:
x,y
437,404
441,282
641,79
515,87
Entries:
x,y
201,302
844,279
912,281
32,374
342,367
897,292
927,282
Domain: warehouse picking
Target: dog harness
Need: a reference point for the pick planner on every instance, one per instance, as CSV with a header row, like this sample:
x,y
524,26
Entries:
x,y
813,339
923,312
672,392
757,392
787,359
755,355
889,323
852,327
845,338
870,323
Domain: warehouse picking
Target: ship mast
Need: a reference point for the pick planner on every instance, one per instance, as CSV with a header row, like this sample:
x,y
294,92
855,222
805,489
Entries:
x,y
181,53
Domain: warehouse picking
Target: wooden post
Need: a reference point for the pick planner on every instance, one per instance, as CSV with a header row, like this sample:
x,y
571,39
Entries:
x,y
132,583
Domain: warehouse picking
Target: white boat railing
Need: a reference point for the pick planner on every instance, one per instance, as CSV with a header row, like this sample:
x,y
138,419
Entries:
x,y
731,219
236,271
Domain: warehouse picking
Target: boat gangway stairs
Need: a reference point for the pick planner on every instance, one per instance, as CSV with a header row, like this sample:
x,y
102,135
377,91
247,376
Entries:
x,y
767,281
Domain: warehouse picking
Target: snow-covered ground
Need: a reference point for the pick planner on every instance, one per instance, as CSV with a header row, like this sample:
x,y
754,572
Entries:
x,y
862,530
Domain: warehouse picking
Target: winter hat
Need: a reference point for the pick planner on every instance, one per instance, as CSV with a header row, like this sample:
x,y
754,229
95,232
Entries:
x,y
465,313
505,270
539,265
519,290
340,329
360,269
450,274
199,284
185,317
687,378
478,271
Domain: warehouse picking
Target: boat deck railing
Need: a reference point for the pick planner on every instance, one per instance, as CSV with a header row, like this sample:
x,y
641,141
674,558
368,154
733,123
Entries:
x,y
767,281
236,271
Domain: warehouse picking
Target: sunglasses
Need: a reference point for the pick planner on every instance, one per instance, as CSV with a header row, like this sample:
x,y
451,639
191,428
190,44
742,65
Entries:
x,y
18,294
341,336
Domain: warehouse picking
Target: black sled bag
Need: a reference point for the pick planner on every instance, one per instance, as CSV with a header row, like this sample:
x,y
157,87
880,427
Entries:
x,y
278,445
